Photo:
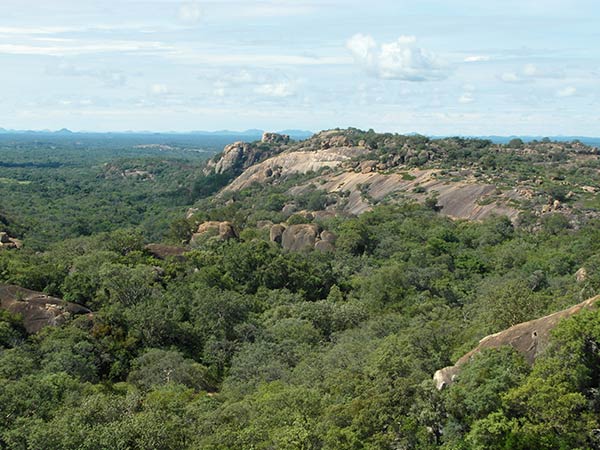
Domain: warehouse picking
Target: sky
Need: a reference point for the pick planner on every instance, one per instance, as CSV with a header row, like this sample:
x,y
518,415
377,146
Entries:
x,y
468,67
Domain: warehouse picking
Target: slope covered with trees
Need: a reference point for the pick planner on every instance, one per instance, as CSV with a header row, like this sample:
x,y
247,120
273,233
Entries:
x,y
240,343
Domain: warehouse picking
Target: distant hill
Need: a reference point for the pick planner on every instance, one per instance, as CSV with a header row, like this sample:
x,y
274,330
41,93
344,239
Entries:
x,y
246,134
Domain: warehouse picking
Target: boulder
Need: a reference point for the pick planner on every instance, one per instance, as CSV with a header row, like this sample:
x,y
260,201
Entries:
x,y
161,251
262,224
38,310
328,236
221,230
242,155
300,237
581,275
274,138
232,157
289,209
368,166
7,242
324,246
334,141
528,338
276,233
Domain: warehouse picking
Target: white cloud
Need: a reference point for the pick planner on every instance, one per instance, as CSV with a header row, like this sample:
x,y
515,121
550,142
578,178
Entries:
x,y
476,58
81,48
529,73
466,98
194,56
398,60
190,13
567,91
110,78
279,90
530,70
159,89
510,77
265,83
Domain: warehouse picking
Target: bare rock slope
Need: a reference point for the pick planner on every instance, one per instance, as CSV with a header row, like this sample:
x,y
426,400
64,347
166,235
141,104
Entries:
x,y
38,310
528,338
360,181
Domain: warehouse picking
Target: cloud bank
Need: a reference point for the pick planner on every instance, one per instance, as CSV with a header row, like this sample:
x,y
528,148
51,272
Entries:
x,y
398,60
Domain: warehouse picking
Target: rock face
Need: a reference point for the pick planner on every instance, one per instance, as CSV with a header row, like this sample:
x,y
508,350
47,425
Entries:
x,y
221,230
240,156
233,156
297,161
528,338
274,138
343,169
37,309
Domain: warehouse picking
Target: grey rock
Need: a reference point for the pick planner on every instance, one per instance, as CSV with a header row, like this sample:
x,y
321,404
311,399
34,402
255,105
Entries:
x,y
300,237
276,233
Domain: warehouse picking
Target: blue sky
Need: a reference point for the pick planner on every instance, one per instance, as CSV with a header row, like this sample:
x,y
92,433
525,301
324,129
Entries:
x,y
434,67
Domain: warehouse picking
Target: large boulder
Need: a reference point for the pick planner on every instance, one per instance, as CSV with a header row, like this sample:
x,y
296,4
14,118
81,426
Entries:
x,y
241,155
275,138
220,230
333,140
368,166
328,236
300,237
324,246
38,310
276,233
232,157
161,251
303,237
528,338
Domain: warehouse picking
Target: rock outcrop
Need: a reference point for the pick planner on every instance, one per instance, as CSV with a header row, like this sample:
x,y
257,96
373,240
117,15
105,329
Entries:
x,y
276,233
8,242
233,156
301,237
239,156
343,167
220,230
161,251
274,138
528,338
295,162
38,310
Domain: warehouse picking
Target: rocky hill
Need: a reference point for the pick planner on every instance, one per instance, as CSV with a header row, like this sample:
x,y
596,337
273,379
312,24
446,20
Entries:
x,y
462,178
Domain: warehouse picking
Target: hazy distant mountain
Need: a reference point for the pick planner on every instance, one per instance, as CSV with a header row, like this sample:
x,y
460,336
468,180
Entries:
x,y
255,134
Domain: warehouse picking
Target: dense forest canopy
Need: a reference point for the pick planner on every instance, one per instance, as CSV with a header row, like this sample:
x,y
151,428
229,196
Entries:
x,y
240,343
